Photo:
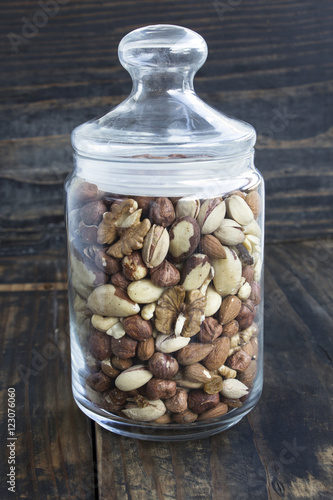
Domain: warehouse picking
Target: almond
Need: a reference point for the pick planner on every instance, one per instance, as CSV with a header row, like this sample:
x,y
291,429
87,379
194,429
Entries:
x,y
218,411
197,372
193,353
219,353
230,309
212,247
146,349
253,199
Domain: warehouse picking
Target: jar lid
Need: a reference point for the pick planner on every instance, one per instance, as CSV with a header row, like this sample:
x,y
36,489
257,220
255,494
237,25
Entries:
x,y
163,118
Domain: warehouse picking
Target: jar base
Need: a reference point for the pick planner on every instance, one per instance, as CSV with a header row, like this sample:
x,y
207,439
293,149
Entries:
x,y
165,432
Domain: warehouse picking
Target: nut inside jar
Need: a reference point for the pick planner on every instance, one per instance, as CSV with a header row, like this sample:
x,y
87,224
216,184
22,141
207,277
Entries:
x,y
166,294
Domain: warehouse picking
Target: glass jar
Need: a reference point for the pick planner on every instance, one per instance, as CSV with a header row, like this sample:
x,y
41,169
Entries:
x,y
165,222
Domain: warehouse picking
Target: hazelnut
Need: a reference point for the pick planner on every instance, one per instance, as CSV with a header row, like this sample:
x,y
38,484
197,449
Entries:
x,y
163,366
255,294
87,234
143,203
99,381
124,347
162,212
115,399
245,317
165,275
239,361
185,417
178,402
146,349
199,400
120,281
137,328
160,389
248,376
248,273
120,363
85,192
133,267
106,263
100,345
92,213
109,369
210,329
230,329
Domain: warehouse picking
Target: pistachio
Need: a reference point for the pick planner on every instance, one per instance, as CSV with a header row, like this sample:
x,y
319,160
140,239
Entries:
x,y
239,210
233,389
155,246
133,378
144,291
253,228
108,300
103,324
187,207
211,215
230,232
228,273
184,238
213,301
154,410
195,271
170,343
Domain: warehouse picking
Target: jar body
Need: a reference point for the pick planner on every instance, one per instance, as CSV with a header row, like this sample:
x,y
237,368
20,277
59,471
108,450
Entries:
x,y
166,288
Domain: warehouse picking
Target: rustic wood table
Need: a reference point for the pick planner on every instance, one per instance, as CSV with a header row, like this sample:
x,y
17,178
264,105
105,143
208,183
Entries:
x,y
270,63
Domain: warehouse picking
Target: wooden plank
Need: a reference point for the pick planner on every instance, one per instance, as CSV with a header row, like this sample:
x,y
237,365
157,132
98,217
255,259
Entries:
x,y
283,449
54,457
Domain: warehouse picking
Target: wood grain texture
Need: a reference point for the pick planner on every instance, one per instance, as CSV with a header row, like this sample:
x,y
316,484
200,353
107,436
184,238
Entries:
x,y
269,64
53,436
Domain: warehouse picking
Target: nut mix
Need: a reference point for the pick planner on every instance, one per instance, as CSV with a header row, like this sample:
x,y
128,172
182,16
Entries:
x,y
166,295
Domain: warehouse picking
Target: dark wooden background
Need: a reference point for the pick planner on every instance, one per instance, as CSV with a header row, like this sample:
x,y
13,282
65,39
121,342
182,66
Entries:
x,y
270,63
